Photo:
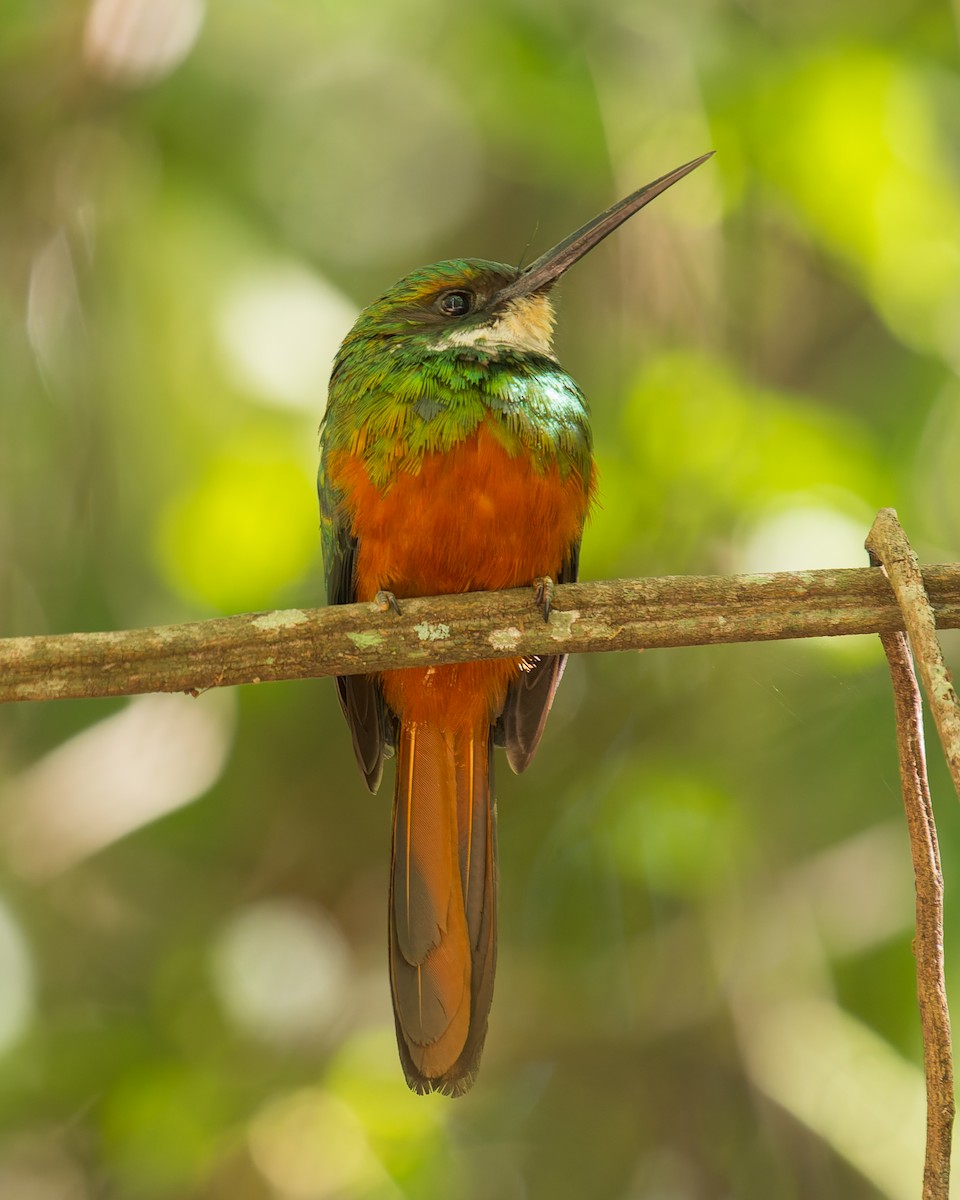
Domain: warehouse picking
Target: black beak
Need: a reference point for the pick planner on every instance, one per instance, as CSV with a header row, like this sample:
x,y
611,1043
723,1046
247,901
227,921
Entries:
x,y
550,266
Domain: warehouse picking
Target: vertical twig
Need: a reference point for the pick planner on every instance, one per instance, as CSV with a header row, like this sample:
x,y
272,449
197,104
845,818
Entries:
x,y
888,544
928,943
889,548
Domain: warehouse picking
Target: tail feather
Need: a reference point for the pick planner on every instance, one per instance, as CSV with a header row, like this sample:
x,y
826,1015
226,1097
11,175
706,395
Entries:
x,y
479,874
442,904
423,863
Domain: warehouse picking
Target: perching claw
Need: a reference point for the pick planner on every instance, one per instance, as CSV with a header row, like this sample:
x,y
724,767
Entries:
x,y
386,602
543,595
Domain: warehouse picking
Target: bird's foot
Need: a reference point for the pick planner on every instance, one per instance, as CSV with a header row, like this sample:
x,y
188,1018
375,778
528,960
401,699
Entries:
x,y
543,595
386,602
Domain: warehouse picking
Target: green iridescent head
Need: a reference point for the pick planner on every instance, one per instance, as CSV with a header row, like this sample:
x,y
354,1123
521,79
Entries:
x,y
461,302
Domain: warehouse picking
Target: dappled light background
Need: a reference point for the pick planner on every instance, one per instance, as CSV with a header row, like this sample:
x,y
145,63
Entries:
x,y
706,984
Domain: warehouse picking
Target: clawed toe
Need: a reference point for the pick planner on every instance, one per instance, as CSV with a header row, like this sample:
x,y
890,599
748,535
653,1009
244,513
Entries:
x,y
386,602
543,595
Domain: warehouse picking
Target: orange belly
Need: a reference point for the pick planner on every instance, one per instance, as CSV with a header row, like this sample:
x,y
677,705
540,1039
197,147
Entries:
x,y
473,518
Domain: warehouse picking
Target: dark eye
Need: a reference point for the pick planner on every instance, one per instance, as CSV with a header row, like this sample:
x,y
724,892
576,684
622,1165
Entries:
x,y
455,304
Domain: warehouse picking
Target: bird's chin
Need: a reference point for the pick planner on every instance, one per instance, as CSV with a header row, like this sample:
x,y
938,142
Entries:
x,y
526,324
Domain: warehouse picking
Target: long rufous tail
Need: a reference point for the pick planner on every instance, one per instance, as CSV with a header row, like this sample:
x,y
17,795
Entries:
x,y
443,904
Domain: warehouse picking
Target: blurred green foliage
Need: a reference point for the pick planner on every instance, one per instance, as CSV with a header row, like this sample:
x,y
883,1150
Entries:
x,y
705,984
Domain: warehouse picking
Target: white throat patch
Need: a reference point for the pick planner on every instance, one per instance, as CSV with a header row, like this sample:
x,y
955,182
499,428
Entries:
x,y
527,324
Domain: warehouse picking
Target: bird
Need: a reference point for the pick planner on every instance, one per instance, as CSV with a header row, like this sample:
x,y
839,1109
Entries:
x,y
456,456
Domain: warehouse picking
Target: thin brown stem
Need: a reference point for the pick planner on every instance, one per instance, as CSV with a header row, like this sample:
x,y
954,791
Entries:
x,y
928,943
889,547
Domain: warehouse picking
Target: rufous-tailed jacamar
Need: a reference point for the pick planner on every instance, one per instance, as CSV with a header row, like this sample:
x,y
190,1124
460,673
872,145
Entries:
x,y
456,457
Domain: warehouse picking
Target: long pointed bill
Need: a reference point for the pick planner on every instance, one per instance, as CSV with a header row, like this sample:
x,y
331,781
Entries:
x,y
550,266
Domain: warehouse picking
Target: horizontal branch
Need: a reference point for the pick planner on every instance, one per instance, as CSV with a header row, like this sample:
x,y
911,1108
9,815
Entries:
x,y
357,638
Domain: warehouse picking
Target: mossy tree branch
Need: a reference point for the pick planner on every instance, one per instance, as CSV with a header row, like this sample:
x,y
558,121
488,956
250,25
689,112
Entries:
x,y
353,639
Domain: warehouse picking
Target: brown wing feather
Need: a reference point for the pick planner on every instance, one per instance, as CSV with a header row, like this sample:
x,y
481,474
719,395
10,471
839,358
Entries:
x,y
361,696
529,697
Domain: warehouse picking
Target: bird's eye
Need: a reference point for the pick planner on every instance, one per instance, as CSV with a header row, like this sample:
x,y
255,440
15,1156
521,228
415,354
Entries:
x,y
455,304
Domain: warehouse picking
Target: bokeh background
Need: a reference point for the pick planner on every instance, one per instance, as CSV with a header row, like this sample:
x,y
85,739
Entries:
x,y
706,985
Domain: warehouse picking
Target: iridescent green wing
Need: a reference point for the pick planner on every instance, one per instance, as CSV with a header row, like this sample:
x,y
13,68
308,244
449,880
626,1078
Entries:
x,y
520,725
361,697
